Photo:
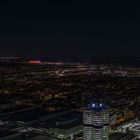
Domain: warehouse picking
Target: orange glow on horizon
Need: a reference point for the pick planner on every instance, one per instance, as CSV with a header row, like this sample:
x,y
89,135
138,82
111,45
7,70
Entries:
x,y
34,62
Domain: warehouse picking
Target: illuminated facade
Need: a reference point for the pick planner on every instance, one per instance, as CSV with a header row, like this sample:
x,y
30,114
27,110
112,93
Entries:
x,y
96,122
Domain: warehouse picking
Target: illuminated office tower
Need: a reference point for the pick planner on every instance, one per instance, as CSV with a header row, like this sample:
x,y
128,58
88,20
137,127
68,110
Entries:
x,y
96,122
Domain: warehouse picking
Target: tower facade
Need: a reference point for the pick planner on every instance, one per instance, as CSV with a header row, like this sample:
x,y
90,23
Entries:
x,y
96,122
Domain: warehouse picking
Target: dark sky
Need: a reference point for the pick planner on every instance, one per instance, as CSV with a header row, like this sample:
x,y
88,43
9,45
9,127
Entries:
x,y
49,28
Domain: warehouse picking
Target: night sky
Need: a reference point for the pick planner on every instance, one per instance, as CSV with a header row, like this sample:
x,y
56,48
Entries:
x,y
69,29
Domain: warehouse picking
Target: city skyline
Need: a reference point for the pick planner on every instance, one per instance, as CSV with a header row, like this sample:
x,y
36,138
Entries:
x,y
69,70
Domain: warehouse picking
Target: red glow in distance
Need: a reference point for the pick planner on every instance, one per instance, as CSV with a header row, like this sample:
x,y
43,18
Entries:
x,y
34,62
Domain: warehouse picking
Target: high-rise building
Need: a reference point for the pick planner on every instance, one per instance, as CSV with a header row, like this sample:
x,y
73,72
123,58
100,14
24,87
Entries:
x,y
96,122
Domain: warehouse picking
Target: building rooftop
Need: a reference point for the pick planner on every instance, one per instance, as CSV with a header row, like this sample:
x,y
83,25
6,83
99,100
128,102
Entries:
x,y
27,115
66,121
135,127
121,136
28,136
97,107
